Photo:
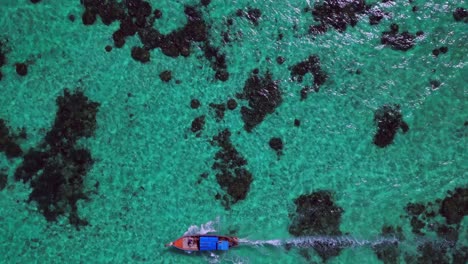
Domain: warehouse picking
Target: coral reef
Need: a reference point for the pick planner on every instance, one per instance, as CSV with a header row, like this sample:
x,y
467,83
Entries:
x,y
388,119
317,214
231,174
263,96
57,168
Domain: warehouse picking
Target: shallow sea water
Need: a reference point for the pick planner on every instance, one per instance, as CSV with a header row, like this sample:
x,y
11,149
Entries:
x,y
149,165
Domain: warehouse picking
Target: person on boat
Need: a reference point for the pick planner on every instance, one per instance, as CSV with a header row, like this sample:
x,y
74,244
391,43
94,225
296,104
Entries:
x,y
190,242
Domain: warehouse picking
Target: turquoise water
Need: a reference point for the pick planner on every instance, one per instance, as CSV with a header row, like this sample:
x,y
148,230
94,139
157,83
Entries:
x,y
148,162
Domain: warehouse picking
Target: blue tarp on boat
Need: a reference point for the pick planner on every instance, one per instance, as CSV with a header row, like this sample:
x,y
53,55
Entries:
x,y
223,245
208,243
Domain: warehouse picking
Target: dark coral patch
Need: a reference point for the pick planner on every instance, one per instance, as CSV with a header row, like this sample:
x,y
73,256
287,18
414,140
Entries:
x,y
195,103
57,169
3,51
137,17
138,8
446,232
60,185
428,218
157,14
232,176
2,54
375,16
317,214
205,2
397,41
197,125
231,104
440,50
317,29
165,76
218,61
338,14
417,224
388,250
253,14
388,119
264,97
88,17
443,49
3,180
460,255
415,209
75,118
435,84
226,37
21,68
33,162
140,54
277,145
305,92
460,14
178,42
219,110
280,60
297,122
8,142
432,252
312,66
455,206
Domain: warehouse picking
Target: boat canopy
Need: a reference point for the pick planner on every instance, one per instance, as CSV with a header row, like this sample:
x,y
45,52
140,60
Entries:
x,y
213,243
208,243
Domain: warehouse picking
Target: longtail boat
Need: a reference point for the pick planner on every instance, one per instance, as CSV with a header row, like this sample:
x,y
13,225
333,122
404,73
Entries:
x,y
204,243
